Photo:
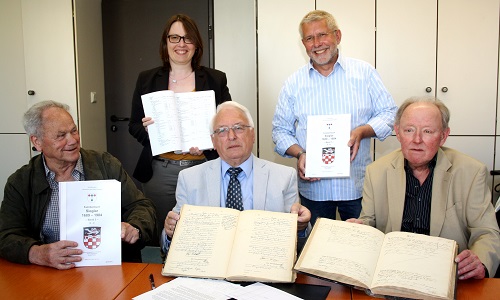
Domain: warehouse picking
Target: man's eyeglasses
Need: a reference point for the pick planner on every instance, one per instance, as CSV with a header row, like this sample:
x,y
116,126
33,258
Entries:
x,y
320,37
174,38
237,129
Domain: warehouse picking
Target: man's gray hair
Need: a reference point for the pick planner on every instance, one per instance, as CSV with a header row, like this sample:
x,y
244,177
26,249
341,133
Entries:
x,y
32,119
232,104
318,15
445,112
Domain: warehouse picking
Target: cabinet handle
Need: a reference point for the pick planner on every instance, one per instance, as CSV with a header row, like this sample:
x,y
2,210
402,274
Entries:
x,y
444,89
31,92
428,89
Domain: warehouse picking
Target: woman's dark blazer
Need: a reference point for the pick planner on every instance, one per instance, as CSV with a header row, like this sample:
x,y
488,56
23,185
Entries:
x,y
157,80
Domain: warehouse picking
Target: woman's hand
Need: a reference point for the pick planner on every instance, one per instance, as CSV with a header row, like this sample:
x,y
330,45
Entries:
x,y
146,121
195,151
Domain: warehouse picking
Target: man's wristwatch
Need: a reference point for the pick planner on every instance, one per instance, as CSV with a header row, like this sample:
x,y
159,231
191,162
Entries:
x,y
300,153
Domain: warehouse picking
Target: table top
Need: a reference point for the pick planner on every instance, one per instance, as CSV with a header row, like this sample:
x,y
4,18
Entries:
x,y
36,282
132,279
141,284
485,289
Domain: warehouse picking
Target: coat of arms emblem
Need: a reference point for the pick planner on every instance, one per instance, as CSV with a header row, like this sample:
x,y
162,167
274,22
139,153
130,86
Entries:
x,y
91,237
328,155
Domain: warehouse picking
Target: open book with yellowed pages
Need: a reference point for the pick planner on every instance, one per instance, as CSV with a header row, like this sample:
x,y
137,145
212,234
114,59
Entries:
x,y
399,264
224,243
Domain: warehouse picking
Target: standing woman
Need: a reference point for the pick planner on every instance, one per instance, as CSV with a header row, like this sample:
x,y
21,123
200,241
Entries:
x,y
181,50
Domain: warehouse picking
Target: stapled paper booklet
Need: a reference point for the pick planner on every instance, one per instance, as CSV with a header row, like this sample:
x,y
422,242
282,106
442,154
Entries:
x,y
327,152
181,120
90,214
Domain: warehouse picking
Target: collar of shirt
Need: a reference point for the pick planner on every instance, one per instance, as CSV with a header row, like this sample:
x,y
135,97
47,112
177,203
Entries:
x,y
431,164
246,182
340,63
77,172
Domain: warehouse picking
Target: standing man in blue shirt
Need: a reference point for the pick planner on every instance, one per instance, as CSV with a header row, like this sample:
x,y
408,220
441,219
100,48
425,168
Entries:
x,y
331,84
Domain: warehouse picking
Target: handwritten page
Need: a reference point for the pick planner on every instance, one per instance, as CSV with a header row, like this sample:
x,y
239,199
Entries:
x,y
343,251
416,262
400,264
224,243
264,246
181,120
202,242
89,213
327,152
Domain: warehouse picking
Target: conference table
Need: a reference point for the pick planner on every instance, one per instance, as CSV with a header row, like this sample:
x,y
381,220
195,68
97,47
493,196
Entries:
x,y
132,279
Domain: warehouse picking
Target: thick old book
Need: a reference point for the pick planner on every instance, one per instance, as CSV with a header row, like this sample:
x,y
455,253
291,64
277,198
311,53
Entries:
x,y
399,264
224,243
181,120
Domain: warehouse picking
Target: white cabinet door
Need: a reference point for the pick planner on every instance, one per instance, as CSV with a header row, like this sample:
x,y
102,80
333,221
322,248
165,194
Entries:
x,y
15,153
406,47
447,49
280,54
467,64
356,20
49,51
12,83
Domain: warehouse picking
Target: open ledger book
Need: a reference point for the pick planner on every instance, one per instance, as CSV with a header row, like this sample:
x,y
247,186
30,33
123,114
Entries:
x,y
224,243
397,264
181,120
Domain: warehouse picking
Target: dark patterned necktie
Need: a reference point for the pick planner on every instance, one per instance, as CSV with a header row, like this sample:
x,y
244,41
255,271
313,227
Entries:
x,y
234,199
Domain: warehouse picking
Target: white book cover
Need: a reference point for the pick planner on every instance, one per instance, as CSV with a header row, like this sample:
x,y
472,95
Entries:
x,y
327,152
90,214
181,120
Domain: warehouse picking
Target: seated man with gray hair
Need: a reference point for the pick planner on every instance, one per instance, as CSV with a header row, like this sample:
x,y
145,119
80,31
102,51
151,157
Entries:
x,y
262,184
29,215
429,189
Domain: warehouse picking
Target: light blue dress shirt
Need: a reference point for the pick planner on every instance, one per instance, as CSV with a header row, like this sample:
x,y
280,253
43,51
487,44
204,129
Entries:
x,y
353,87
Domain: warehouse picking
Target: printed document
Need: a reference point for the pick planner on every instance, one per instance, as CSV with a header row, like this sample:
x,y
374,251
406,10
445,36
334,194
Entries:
x,y
90,214
181,120
327,152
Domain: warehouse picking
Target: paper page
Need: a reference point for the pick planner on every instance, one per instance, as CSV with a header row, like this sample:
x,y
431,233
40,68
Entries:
x,y
196,110
192,289
415,261
341,251
260,291
264,247
327,152
164,133
202,241
90,215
